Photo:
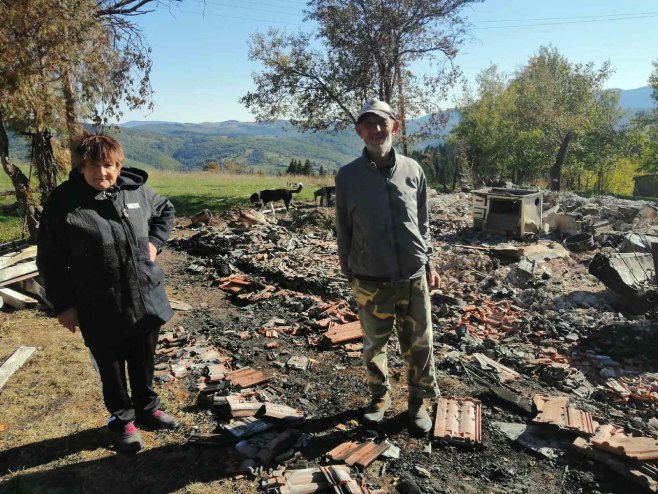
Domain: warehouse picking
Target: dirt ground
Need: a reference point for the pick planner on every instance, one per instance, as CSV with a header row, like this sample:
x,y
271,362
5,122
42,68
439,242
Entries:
x,y
52,418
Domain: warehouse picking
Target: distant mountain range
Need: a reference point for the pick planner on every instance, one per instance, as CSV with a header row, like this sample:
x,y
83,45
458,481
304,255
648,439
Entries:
x,y
268,147
636,100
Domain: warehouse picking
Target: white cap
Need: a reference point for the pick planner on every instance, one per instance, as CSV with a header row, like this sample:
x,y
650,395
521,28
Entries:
x,y
377,107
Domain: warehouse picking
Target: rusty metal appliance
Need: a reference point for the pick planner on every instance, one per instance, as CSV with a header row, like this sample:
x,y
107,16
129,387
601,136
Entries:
x,y
507,210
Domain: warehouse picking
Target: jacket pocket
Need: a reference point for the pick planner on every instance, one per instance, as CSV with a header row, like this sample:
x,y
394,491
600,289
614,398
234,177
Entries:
x,y
157,303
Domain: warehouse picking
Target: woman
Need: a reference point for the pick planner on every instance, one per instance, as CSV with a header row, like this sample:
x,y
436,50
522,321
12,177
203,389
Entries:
x,y
99,235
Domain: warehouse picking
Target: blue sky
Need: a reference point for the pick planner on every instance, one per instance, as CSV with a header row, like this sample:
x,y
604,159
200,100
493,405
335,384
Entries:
x,y
200,50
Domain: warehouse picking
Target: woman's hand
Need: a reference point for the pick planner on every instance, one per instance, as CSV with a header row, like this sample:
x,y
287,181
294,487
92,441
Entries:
x,y
153,252
69,319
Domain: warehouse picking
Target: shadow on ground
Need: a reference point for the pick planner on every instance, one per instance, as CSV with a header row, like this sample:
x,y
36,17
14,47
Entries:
x,y
161,469
156,470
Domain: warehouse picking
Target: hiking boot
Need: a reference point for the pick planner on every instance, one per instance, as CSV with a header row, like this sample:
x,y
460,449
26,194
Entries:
x,y
125,437
377,408
158,420
419,420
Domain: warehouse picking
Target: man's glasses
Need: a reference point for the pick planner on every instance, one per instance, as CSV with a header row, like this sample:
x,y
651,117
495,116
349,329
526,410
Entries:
x,y
372,123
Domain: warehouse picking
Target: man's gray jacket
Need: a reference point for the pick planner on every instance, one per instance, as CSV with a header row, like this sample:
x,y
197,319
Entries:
x,y
93,255
382,221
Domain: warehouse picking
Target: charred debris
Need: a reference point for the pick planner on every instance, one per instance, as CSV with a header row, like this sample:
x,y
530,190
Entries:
x,y
546,342
546,320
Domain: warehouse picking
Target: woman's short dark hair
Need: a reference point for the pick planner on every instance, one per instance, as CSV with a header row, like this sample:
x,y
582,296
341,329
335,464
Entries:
x,y
90,147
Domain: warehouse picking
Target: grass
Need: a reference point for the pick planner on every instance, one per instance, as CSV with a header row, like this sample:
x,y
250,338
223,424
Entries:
x,y
190,192
52,421
11,224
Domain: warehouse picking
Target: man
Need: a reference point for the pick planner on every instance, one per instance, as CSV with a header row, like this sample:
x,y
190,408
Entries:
x,y
385,251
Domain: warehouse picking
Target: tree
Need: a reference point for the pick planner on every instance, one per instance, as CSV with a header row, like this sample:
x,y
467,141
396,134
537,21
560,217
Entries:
x,y
563,101
524,126
307,168
293,167
65,61
211,166
645,129
363,48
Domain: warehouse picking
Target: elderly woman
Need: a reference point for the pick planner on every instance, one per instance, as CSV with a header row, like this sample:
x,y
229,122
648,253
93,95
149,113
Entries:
x,y
98,239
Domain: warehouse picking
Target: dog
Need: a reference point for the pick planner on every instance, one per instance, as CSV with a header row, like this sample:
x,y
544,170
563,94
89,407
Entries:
x,y
324,194
271,196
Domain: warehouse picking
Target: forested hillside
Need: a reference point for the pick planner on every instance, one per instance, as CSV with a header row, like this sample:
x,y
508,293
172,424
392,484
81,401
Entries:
x,y
261,147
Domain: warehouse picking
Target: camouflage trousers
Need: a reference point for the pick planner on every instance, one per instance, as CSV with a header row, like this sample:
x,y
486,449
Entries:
x,y
404,305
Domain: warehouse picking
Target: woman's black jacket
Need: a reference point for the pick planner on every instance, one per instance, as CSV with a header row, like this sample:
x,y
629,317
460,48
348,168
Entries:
x,y
93,255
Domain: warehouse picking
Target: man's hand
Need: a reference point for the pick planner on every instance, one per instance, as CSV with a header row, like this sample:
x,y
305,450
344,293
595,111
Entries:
x,y
69,319
153,252
433,280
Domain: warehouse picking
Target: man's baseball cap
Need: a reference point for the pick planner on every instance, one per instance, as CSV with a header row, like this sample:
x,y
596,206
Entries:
x,y
377,107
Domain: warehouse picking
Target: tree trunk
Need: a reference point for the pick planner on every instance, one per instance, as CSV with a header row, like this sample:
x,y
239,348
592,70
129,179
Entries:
x,y
599,185
401,110
69,100
556,169
21,185
43,158
455,175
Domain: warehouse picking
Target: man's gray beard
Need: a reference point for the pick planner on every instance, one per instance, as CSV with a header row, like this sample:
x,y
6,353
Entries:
x,y
380,151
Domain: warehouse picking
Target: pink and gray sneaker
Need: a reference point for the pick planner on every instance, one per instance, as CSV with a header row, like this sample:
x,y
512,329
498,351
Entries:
x,y
158,420
125,437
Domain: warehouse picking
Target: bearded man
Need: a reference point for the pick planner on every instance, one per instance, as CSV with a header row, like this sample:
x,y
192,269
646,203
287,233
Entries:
x,y
385,251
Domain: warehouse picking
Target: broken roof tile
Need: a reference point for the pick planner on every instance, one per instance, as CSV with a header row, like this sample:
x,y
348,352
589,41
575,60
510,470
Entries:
x,y
458,420
613,439
554,410
343,333
247,377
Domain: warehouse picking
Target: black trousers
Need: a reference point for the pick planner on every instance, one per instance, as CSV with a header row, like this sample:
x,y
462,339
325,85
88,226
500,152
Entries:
x,y
137,353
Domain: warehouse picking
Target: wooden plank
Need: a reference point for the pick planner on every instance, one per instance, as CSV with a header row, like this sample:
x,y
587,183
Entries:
x,y
11,272
14,362
18,272
32,286
11,259
16,299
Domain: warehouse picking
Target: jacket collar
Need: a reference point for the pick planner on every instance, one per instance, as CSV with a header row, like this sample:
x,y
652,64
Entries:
x,y
129,178
372,166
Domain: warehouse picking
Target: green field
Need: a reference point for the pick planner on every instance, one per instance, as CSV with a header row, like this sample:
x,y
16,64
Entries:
x,y
190,192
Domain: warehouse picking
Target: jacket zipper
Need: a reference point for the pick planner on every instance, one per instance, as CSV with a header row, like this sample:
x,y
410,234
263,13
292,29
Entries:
x,y
393,230
127,225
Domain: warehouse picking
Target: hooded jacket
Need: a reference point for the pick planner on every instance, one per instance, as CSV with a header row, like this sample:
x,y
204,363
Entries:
x,y
382,222
93,255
